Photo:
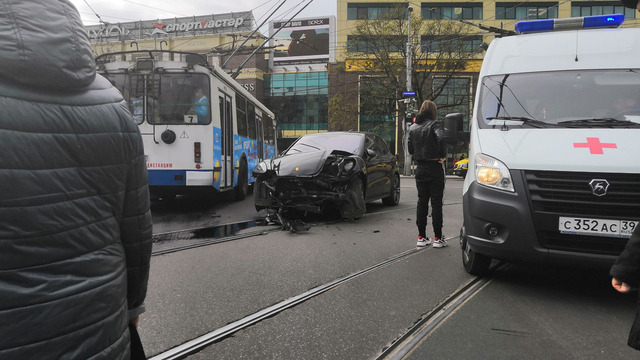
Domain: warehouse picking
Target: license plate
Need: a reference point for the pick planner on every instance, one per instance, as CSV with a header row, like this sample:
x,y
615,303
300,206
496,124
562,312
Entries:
x,y
601,227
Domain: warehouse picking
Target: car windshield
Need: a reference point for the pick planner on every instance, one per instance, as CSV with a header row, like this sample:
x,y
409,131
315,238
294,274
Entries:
x,y
351,143
573,99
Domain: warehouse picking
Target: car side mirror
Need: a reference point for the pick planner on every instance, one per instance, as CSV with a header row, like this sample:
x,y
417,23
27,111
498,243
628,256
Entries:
x,y
453,133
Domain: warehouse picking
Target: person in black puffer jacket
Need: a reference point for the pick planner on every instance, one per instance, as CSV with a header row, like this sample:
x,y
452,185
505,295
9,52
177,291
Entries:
x,y
625,272
75,225
426,144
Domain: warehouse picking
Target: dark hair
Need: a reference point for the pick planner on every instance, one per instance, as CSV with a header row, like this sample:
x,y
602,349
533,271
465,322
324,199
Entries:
x,y
430,108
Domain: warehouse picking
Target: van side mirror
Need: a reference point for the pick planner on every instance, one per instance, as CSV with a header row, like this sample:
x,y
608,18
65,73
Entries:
x,y
453,133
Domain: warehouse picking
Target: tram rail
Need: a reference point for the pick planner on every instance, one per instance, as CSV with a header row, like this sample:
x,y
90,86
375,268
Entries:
x,y
397,349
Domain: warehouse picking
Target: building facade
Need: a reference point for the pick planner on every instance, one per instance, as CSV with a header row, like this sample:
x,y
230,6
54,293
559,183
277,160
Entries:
x,y
451,88
297,86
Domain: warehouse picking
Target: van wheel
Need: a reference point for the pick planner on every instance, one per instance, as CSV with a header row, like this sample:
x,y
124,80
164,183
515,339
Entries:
x,y
243,182
474,263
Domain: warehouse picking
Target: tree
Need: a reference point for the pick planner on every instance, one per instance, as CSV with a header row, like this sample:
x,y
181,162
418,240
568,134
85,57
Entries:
x,y
377,47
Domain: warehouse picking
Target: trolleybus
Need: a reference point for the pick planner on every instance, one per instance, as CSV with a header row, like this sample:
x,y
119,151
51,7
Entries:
x,y
202,130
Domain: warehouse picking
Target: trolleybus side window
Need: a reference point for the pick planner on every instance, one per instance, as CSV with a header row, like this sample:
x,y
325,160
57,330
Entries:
x,y
251,116
241,114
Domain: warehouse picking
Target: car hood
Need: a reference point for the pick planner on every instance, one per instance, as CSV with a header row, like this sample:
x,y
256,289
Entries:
x,y
591,150
298,164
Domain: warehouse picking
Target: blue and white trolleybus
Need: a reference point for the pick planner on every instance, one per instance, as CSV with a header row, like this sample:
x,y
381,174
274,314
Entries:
x,y
202,130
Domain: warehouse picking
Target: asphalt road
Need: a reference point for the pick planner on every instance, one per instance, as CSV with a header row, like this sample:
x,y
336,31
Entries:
x,y
523,312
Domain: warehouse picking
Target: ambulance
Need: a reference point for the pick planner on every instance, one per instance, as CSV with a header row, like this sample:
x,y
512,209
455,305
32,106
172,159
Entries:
x,y
554,158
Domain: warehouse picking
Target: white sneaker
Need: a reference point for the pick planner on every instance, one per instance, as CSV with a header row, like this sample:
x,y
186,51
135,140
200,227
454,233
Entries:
x,y
422,242
438,243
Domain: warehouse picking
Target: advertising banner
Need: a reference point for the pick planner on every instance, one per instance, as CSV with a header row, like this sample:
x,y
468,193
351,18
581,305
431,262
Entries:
x,y
305,42
170,28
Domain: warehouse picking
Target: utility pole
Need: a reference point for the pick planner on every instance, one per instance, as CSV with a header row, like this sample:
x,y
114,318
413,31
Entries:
x,y
409,104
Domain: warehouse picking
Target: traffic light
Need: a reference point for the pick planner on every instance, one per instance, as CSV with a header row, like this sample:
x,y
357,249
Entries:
x,y
409,116
410,112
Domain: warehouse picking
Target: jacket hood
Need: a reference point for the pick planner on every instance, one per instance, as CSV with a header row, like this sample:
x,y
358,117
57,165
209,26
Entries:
x,y
44,44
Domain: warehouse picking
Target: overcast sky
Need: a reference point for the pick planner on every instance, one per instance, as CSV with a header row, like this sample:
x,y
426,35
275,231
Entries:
x,y
114,11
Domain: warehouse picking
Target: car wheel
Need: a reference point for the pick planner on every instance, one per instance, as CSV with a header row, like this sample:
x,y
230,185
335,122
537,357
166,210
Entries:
x,y
354,206
242,189
394,198
474,263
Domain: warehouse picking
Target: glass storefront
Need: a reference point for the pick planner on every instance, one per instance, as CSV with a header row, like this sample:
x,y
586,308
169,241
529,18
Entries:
x,y
299,101
378,108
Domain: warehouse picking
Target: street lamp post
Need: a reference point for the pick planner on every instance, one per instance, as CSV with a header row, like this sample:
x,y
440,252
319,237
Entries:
x,y
409,104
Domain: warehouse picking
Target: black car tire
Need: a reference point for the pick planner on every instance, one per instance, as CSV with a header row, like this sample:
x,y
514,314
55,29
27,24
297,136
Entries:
x,y
474,263
243,182
394,198
357,201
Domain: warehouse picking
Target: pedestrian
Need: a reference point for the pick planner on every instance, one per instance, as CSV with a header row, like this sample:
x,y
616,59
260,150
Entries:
x,y
625,275
625,272
426,144
75,225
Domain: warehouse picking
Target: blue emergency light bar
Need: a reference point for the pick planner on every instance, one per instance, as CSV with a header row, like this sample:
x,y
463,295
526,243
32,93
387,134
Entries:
x,y
599,21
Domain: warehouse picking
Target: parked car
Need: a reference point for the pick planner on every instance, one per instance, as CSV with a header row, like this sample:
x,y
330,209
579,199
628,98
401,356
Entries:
x,y
331,171
460,167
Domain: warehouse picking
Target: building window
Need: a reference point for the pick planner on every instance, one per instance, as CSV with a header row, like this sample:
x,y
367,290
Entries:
x,y
454,98
375,11
447,11
374,44
518,11
299,101
451,43
590,8
378,108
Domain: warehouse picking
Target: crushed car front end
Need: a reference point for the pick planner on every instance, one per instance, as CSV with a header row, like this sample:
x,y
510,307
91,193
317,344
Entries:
x,y
314,182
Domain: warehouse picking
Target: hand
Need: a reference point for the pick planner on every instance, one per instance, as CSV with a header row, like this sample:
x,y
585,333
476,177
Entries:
x,y
134,321
620,286
441,160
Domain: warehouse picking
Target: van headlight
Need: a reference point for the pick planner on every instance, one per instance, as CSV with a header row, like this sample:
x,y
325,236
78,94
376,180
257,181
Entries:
x,y
493,173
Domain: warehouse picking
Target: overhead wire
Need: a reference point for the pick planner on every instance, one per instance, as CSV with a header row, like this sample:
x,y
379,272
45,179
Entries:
x,y
155,8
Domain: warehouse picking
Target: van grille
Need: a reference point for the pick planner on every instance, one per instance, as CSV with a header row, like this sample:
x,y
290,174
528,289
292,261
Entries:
x,y
556,194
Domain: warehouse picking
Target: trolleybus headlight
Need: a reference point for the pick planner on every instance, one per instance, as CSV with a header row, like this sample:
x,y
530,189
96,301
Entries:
x,y
493,173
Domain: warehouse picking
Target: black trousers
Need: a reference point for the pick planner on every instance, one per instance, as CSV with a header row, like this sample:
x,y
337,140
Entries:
x,y
430,185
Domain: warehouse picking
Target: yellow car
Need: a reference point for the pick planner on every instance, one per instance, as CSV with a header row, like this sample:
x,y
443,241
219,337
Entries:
x,y
460,167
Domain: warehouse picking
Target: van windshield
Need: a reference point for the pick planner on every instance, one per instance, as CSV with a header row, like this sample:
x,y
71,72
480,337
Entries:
x,y
609,98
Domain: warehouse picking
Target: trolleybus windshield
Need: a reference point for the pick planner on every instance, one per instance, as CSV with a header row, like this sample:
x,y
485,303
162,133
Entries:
x,y
166,98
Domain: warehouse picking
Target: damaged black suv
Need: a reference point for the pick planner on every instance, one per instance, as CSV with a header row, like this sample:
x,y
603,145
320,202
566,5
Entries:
x,y
331,171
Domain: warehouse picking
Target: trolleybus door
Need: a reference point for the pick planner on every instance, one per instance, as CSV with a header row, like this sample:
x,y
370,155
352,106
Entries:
x,y
226,122
260,134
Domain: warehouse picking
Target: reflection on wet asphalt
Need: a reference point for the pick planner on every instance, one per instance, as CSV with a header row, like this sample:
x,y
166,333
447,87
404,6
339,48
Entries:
x,y
213,232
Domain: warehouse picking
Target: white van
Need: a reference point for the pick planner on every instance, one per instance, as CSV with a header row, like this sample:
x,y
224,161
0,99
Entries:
x,y
554,158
